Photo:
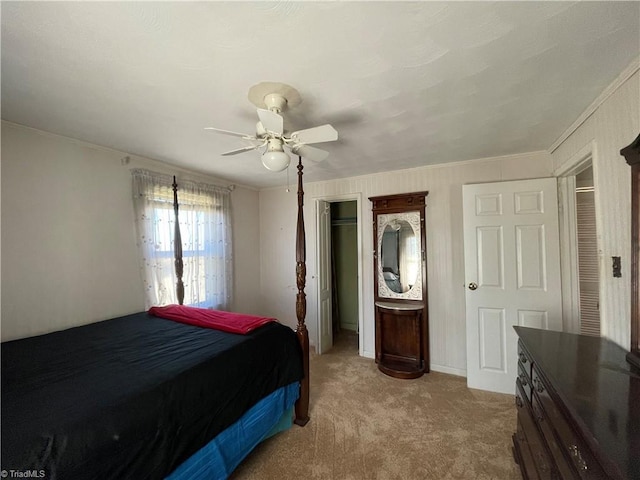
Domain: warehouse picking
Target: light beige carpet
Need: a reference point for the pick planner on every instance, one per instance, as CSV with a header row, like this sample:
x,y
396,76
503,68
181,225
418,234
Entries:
x,y
367,425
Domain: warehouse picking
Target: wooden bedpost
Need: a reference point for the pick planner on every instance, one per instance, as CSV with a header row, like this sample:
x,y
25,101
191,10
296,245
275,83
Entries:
x,y
177,246
302,405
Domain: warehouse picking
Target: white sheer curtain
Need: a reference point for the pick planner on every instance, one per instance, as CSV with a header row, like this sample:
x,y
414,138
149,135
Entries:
x,y
153,209
205,227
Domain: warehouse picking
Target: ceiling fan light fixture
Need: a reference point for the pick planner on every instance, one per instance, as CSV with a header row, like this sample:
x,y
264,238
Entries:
x,y
275,160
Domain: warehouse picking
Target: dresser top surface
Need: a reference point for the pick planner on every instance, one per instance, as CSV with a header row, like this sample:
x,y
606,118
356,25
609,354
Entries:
x,y
600,390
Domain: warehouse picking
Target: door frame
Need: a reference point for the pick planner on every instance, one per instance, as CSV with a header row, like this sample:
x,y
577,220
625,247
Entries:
x,y
566,173
347,197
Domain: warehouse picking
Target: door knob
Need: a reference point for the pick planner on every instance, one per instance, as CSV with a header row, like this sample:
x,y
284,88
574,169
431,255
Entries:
x,y
473,286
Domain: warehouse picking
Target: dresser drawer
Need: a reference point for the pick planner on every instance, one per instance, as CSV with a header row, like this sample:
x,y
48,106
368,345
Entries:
x,y
525,380
523,455
567,447
543,465
564,467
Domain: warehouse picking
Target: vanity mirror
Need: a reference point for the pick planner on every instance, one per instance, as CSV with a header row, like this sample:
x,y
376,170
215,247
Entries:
x,y
399,253
399,265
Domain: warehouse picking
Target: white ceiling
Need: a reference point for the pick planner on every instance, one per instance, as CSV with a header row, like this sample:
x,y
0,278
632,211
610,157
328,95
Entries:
x,y
404,83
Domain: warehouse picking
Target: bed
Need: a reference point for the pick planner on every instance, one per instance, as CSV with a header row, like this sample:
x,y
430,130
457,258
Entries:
x,y
146,397
135,396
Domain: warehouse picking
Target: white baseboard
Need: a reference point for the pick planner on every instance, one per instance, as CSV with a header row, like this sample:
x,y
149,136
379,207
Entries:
x,y
460,372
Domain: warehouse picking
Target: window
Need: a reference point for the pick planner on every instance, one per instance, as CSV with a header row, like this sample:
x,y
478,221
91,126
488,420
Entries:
x,y
205,230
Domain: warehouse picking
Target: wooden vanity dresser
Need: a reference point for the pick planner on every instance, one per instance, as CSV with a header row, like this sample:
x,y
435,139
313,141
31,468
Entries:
x,y
400,284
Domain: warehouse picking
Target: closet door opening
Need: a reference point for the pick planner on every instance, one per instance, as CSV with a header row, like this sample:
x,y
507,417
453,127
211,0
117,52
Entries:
x,y
339,273
588,264
580,249
344,271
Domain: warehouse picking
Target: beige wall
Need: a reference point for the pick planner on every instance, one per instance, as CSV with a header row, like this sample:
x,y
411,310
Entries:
x,y
445,257
612,126
69,255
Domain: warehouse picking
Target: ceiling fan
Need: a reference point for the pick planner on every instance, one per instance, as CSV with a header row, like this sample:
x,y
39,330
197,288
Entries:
x,y
272,99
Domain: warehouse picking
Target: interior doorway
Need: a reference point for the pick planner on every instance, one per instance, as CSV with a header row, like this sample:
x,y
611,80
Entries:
x,y
580,251
512,273
339,271
344,266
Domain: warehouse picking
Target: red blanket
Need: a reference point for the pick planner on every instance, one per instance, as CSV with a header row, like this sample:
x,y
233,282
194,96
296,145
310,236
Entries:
x,y
216,319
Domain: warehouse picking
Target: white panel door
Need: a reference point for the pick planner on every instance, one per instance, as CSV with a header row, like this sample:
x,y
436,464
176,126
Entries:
x,y
325,332
512,270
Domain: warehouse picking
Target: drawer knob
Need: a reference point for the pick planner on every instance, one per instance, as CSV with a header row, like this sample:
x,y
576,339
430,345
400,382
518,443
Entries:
x,y
577,457
523,379
538,384
522,357
518,401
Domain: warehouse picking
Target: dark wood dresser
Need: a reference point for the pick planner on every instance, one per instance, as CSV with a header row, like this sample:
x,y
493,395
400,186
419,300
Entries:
x,y
578,406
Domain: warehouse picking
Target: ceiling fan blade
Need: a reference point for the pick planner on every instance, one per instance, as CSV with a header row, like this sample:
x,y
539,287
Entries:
x,y
310,153
271,121
323,133
243,149
233,134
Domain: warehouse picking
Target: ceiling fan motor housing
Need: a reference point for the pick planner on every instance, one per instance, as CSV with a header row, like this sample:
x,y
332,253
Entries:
x,y
274,144
275,102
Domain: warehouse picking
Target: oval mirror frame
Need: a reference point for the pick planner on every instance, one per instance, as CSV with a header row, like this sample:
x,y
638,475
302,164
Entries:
x,y
392,221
